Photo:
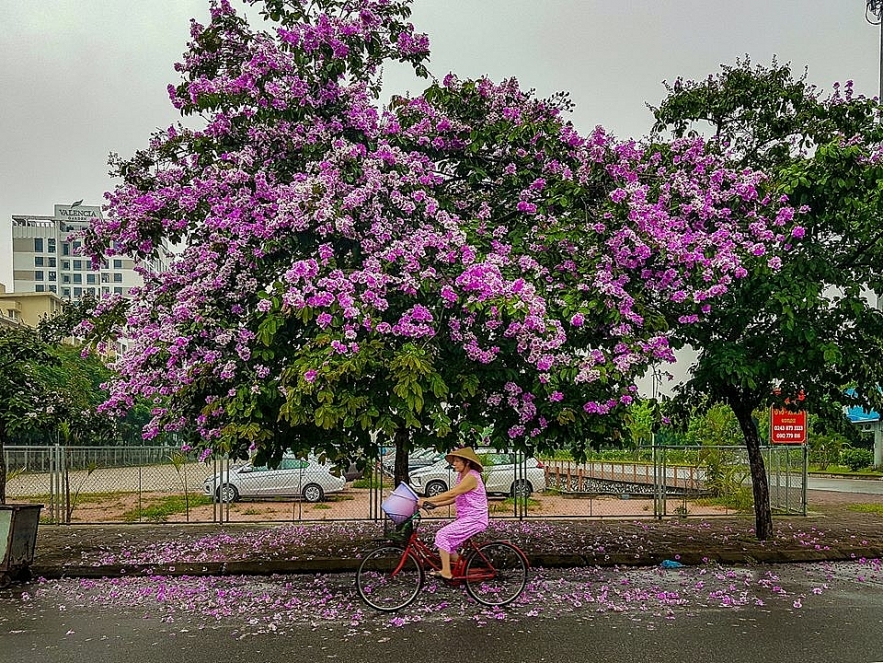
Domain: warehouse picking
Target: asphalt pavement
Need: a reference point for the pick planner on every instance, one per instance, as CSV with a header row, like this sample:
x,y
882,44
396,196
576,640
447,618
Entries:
x,y
813,613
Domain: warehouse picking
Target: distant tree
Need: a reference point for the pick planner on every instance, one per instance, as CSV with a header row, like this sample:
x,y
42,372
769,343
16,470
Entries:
x,y
802,328
458,260
24,400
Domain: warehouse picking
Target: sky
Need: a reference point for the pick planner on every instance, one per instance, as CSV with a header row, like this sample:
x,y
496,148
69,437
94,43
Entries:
x,y
83,78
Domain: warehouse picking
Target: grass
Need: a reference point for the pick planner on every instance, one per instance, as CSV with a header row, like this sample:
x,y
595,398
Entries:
x,y
159,510
867,508
85,498
368,481
845,471
509,503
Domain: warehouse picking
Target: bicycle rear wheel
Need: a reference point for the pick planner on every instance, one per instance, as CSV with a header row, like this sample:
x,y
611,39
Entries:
x,y
496,573
389,578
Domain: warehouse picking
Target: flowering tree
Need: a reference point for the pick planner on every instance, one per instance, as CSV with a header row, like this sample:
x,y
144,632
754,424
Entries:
x,y
453,261
803,328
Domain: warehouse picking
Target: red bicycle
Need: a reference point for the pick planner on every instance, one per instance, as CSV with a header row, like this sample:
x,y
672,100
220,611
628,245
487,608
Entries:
x,y
390,577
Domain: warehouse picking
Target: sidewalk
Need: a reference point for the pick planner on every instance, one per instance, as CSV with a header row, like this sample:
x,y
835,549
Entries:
x,y
833,533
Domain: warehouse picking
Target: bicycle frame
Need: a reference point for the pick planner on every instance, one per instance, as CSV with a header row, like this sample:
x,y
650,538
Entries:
x,y
427,557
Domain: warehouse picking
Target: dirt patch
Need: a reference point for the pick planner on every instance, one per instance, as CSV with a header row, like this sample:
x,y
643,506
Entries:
x,y
359,504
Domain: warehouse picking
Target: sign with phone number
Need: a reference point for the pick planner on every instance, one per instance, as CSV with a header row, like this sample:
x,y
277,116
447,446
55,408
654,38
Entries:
x,y
787,427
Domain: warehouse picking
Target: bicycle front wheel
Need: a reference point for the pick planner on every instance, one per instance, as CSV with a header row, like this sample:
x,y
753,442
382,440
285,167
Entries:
x,y
496,573
389,578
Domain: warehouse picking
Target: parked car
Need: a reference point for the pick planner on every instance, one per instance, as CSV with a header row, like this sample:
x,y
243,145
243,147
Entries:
x,y
502,475
348,471
416,460
294,477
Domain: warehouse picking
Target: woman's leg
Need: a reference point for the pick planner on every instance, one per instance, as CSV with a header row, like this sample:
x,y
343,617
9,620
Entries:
x,y
446,542
445,563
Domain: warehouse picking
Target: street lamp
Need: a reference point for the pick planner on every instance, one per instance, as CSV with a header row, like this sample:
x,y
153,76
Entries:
x,y
874,16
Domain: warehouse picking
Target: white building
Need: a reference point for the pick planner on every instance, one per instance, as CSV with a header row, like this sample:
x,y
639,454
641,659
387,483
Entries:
x,y
46,258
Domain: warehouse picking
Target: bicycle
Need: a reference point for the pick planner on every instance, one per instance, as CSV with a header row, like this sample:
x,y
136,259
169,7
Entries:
x,y
391,576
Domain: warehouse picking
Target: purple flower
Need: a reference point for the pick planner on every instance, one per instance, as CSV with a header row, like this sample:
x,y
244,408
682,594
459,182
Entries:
x,y
618,195
525,206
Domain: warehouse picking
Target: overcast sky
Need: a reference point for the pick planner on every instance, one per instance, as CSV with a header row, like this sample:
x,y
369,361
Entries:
x,y
82,78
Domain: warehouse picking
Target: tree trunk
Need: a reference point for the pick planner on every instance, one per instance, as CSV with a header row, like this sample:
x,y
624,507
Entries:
x,y
763,514
400,471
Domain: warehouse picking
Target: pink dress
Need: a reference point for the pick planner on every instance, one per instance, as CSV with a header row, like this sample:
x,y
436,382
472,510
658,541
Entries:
x,y
471,517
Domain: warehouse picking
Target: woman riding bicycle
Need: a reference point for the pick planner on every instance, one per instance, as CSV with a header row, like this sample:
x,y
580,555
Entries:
x,y
470,499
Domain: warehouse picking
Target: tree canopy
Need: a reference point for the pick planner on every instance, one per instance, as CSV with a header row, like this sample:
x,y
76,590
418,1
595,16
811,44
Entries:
x,y
799,335
449,262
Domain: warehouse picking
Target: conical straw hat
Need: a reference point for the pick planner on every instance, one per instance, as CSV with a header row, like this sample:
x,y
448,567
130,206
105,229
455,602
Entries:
x,y
466,453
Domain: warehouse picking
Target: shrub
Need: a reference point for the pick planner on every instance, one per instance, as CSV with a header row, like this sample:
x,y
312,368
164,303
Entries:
x,y
824,450
856,459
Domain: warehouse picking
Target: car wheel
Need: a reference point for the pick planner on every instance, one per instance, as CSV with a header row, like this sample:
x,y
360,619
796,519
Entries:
x,y
227,493
434,488
313,493
521,488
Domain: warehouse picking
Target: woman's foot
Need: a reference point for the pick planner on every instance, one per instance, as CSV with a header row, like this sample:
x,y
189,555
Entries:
x,y
440,575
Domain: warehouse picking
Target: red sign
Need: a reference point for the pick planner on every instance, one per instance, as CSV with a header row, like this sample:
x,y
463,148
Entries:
x,y
787,427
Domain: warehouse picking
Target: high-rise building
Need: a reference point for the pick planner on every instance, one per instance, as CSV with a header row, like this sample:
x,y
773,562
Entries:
x,y
46,257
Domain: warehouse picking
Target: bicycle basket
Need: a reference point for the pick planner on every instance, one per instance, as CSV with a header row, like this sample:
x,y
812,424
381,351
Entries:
x,y
402,532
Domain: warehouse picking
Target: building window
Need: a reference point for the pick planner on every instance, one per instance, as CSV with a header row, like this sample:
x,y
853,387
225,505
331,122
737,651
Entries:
x,y
52,276
65,264
52,288
105,291
105,278
51,245
78,278
38,245
90,278
65,249
38,276
91,291
117,278
40,288
117,291
117,264
38,261
52,262
78,264
78,292
66,292
65,278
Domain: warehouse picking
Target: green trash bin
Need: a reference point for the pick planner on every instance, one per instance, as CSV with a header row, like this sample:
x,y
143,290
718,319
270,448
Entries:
x,y
18,539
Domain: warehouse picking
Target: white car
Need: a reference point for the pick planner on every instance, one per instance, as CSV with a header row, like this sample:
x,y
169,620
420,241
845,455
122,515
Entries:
x,y
294,477
503,474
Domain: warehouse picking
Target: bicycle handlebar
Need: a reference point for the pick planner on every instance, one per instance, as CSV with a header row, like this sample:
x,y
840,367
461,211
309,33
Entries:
x,y
429,506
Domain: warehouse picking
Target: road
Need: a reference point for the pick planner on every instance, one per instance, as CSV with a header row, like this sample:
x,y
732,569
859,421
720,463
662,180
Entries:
x,y
814,613
865,486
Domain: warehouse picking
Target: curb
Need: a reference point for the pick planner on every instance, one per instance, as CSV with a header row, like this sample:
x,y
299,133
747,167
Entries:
x,y
351,565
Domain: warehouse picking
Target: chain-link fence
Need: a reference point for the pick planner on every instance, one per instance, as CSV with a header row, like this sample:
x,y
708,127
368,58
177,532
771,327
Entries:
x,y
161,484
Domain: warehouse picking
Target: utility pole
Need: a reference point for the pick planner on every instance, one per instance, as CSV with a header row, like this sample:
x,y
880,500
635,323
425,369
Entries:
x,y
874,16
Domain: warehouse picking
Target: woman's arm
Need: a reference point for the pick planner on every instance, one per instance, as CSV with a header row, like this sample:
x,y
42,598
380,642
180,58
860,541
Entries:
x,y
435,501
467,483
